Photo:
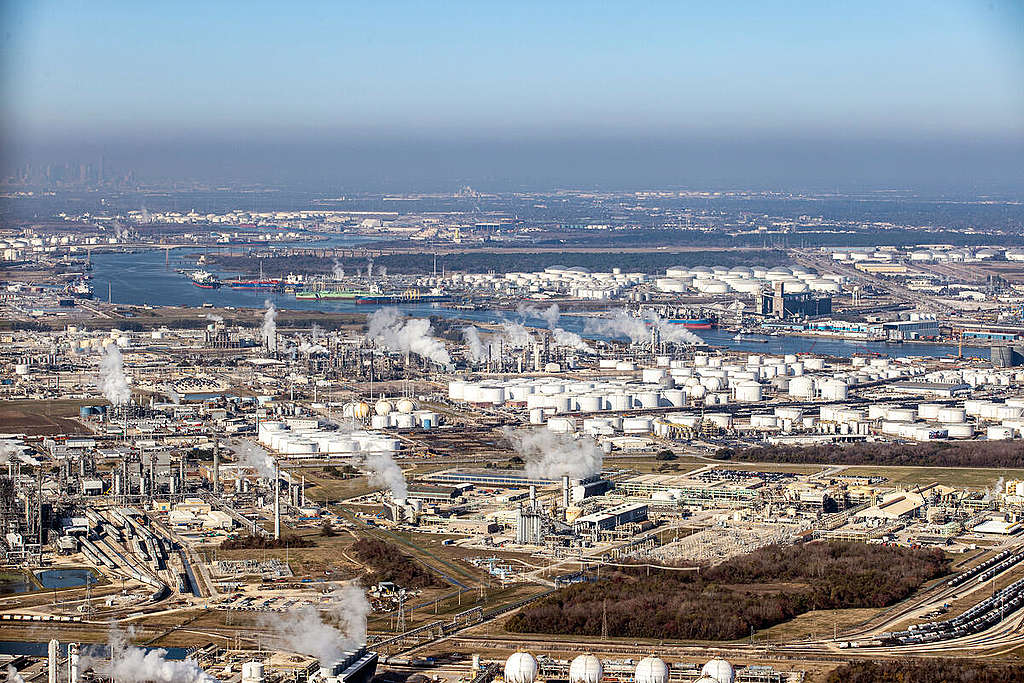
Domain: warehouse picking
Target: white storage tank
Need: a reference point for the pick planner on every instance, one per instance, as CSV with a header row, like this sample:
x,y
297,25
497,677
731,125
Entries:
x,y
564,425
802,387
383,407
749,392
536,416
586,669
961,430
998,433
521,667
651,670
929,411
636,425
723,420
951,415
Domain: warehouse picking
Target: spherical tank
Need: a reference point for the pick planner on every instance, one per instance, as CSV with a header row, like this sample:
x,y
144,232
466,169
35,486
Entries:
x,y
521,667
586,669
651,670
383,407
361,410
719,670
406,406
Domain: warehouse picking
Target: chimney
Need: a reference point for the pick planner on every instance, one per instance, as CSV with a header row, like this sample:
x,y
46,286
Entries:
x,y
565,492
53,657
277,503
72,662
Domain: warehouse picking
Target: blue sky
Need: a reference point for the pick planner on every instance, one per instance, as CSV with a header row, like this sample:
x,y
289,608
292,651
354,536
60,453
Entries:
x,y
523,67
243,71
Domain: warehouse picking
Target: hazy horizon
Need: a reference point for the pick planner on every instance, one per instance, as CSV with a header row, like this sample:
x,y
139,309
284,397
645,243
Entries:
x,y
925,96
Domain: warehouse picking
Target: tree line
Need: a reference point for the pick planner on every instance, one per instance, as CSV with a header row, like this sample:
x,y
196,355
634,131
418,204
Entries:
x,y
726,602
906,670
1001,454
391,564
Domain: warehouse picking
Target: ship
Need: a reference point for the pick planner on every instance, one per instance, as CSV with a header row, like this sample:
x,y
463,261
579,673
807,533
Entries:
x,y
345,294
413,296
699,323
205,279
271,284
81,290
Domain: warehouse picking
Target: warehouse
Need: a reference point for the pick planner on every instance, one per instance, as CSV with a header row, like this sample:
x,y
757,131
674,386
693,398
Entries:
x,y
612,517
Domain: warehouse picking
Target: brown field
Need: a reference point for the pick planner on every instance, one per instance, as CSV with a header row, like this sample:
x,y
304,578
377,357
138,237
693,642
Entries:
x,y
43,418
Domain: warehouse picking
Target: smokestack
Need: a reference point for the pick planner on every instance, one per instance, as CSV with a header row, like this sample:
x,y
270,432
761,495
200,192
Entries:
x,y
302,492
565,492
72,662
533,494
216,465
53,655
277,503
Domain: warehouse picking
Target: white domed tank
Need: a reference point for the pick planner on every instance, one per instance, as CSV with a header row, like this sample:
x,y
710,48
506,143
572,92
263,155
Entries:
x,y
360,410
719,670
651,670
406,406
586,669
749,392
521,667
383,407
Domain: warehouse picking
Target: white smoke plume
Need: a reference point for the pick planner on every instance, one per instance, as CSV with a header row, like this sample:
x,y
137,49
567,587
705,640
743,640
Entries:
x,y
251,455
673,333
312,348
337,272
571,339
388,330
214,318
549,315
130,664
383,271
8,451
316,332
269,329
307,631
111,380
369,267
384,471
13,676
550,455
475,347
619,324
516,335
359,272
622,324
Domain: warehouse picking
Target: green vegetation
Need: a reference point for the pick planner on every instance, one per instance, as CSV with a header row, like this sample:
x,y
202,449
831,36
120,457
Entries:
x,y
903,670
1001,454
388,563
726,602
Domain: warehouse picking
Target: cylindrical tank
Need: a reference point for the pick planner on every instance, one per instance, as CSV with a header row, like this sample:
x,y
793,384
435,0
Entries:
x,y
950,415
536,416
749,392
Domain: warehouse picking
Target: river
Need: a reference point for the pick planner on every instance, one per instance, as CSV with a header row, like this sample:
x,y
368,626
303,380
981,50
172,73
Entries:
x,y
142,277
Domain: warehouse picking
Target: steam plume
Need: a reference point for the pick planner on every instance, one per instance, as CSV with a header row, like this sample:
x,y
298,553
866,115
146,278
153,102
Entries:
x,y
130,664
306,631
475,346
516,335
571,339
112,381
251,455
386,328
550,454
622,324
13,676
270,325
549,315
384,471
337,271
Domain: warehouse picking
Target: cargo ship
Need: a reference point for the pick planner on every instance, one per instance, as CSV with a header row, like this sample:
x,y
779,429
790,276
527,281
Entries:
x,y
272,284
344,294
701,323
205,279
412,296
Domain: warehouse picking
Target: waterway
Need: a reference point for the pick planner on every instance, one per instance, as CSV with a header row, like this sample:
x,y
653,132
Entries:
x,y
14,647
141,278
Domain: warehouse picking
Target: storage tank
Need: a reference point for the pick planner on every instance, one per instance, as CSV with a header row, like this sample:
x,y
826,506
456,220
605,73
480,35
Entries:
x,y
719,670
749,392
998,433
636,425
802,387
383,407
834,390
536,416
950,415
406,406
521,667
649,399
929,411
563,425
586,669
960,430
723,420
590,403
651,670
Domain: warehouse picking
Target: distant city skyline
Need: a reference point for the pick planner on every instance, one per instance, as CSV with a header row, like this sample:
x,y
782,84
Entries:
x,y
874,94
